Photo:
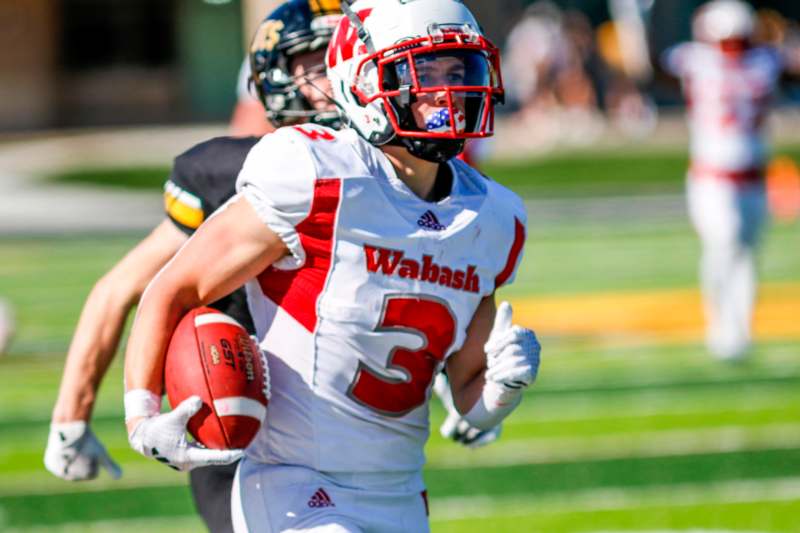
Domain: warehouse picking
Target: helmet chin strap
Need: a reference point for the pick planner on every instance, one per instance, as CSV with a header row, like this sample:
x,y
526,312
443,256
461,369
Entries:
x,y
433,150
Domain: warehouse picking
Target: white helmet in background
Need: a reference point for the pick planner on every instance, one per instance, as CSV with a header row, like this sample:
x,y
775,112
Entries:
x,y
387,55
724,20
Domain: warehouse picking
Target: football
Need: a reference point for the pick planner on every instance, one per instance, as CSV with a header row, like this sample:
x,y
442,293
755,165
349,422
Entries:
x,y
212,356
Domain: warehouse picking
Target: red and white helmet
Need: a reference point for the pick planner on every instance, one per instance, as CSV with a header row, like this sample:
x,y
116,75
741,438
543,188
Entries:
x,y
723,20
385,55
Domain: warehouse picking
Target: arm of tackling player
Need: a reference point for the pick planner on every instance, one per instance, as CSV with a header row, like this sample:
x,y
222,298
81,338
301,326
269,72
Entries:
x,y
73,452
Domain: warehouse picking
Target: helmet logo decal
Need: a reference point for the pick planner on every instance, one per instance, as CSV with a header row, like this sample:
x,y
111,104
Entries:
x,y
343,46
268,36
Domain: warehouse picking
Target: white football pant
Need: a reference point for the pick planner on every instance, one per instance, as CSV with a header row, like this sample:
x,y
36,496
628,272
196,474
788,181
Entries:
x,y
729,219
269,498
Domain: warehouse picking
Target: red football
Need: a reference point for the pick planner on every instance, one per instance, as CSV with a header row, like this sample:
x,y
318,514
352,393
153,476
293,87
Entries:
x,y
212,356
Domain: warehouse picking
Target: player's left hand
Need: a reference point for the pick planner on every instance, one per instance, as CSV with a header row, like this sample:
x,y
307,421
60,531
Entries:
x,y
75,454
512,352
163,437
459,430
454,426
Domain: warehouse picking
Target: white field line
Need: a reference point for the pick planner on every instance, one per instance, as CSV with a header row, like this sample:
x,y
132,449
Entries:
x,y
624,445
694,530
643,377
686,494
134,476
123,525
505,452
650,405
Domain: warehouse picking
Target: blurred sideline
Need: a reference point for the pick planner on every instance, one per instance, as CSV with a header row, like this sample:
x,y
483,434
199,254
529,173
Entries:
x,y
29,205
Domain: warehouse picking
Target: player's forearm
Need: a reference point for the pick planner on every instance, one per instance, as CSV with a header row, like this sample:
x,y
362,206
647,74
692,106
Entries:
x,y
511,356
466,369
493,405
465,396
93,347
159,311
485,404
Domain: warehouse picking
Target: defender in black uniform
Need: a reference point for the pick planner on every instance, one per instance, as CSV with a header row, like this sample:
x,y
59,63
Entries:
x,y
287,67
201,181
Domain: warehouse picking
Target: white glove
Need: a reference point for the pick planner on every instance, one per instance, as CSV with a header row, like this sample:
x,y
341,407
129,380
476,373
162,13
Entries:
x,y
454,426
512,362
75,454
163,437
512,352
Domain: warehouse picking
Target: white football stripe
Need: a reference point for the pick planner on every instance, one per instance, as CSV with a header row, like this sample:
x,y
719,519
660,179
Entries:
x,y
239,406
214,318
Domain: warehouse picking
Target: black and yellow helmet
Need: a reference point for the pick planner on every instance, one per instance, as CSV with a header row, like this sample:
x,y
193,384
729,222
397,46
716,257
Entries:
x,y
296,27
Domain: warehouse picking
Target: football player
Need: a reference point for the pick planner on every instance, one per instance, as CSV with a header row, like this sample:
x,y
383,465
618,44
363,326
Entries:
x,y
728,83
287,57
371,259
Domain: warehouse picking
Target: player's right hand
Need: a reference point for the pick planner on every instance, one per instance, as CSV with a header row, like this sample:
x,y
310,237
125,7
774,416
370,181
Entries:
x,y
163,437
75,454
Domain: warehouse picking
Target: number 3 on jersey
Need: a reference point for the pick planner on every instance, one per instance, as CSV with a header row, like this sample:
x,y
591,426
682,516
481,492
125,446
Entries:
x,y
433,321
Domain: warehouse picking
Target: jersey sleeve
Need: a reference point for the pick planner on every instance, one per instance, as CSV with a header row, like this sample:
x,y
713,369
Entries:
x,y
513,221
182,202
203,178
277,179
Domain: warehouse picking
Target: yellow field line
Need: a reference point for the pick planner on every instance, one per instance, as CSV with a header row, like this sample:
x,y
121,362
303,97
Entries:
x,y
658,315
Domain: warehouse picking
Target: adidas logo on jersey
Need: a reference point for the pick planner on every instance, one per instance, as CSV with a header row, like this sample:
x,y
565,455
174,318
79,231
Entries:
x,y
320,499
429,220
394,263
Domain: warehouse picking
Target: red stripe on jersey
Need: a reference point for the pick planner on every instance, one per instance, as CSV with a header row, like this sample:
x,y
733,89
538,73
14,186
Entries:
x,y
296,291
513,254
749,175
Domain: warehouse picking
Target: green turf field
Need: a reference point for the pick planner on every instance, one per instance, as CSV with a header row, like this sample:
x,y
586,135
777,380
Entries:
x,y
615,436
628,171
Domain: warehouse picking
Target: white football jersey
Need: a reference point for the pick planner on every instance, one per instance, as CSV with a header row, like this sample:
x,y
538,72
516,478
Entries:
x,y
379,289
727,102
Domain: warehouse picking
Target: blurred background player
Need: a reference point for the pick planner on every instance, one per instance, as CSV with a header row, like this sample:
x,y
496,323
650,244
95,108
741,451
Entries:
x,y
342,447
290,82
728,83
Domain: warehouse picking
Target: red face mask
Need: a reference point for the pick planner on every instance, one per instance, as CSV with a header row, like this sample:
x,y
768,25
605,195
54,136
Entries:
x,y
451,82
